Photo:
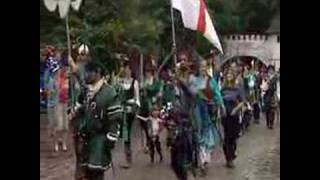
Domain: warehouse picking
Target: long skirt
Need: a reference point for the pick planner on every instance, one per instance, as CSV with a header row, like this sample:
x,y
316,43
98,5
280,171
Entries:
x,y
208,135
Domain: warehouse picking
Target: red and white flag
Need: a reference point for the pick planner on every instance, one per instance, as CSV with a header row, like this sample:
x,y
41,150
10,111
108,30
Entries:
x,y
196,17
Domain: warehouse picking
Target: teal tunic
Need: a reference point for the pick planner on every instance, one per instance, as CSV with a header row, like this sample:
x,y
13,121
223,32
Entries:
x,y
249,81
100,124
208,135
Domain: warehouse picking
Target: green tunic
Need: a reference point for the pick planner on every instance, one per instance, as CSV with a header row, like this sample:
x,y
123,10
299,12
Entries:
x,y
169,94
149,97
101,128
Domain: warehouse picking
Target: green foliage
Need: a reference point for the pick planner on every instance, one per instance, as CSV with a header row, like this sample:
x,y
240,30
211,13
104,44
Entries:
x,y
238,16
116,26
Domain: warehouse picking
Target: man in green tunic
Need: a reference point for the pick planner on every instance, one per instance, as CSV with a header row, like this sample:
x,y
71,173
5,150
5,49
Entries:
x,y
102,112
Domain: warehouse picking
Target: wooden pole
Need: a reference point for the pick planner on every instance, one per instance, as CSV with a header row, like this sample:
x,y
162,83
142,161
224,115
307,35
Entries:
x,y
68,35
69,55
173,34
141,70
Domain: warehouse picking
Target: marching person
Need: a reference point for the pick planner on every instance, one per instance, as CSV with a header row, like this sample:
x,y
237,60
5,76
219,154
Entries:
x,y
102,110
131,102
263,87
183,148
207,101
52,88
233,101
238,71
270,97
77,62
169,96
62,107
249,84
278,96
257,103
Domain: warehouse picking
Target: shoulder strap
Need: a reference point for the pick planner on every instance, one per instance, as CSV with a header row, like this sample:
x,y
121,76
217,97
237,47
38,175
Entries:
x,y
132,84
101,88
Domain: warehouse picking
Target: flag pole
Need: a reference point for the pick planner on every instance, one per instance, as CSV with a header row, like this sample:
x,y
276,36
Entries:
x,y
69,55
173,34
68,35
141,69
141,86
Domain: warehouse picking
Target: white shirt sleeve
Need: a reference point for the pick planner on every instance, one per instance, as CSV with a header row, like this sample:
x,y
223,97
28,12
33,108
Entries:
x,y
137,93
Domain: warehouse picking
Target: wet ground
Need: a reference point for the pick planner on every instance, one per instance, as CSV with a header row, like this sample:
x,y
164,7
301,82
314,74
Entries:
x,y
258,159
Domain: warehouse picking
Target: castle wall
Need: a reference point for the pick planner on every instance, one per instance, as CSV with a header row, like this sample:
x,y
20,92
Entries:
x,y
264,47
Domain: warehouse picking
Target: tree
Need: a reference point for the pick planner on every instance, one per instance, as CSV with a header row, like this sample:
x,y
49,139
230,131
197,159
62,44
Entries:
x,y
113,26
239,16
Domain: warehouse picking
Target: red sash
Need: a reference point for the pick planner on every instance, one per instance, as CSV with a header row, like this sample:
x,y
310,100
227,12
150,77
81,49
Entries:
x,y
207,91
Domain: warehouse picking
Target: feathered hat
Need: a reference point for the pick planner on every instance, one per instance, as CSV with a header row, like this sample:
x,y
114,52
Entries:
x,y
83,49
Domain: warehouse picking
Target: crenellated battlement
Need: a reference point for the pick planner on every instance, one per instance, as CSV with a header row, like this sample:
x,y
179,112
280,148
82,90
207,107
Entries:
x,y
252,38
265,47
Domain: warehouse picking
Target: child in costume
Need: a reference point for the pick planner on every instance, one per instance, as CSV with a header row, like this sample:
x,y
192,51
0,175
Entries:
x,y
156,124
151,88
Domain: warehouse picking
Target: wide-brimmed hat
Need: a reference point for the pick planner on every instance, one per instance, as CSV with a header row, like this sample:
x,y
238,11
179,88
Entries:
x,y
96,66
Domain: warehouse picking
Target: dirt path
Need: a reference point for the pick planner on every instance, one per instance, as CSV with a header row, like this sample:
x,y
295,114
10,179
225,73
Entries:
x,y
258,159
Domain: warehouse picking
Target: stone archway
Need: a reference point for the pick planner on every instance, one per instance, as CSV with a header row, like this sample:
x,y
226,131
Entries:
x,y
257,46
257,59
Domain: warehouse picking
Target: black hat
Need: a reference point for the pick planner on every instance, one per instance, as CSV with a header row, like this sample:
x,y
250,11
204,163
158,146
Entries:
x,y
96,66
